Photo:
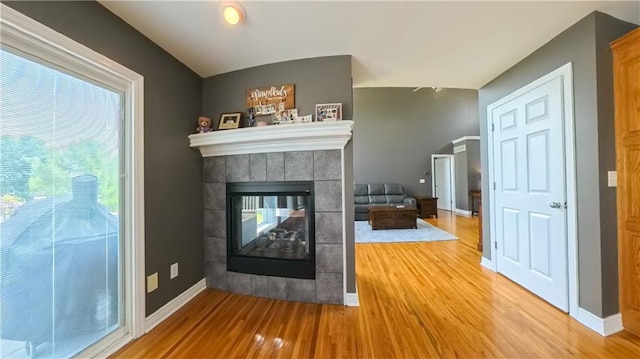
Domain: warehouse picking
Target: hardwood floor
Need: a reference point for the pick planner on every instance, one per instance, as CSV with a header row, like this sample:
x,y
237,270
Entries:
x,y
417,300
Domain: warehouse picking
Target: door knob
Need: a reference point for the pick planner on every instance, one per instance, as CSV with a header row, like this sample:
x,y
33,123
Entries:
x,y
555,204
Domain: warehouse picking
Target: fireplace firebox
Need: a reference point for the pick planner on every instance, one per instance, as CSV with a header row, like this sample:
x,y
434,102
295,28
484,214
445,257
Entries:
x,y
271,229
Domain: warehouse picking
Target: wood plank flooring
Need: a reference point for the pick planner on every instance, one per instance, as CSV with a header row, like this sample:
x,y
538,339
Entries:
x,y
417,300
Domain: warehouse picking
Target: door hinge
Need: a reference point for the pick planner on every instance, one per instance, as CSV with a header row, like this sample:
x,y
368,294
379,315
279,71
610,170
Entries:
x,y
493,127
494,186
495,244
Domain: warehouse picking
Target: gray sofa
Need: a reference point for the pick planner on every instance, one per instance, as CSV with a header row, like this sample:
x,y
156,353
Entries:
x,y
386,194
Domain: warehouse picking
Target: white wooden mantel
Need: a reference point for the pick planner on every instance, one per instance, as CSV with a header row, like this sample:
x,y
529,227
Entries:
x,y
279,138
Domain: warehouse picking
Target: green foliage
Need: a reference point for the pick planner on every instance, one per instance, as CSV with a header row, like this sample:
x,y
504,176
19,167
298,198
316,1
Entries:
x,y
52,172
17,155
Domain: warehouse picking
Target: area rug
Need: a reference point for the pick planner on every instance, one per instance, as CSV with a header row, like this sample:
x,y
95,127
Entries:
x,y
424,233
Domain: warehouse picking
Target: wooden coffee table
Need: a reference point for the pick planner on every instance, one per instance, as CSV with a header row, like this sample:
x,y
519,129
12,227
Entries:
x,y
392,217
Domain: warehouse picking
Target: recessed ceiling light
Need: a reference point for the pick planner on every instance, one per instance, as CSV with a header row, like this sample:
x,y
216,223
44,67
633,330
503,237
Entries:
x,y
232,12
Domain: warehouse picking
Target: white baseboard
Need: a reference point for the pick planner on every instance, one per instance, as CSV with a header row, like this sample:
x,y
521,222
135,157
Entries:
x,y
605,327
176,303
487,263
462,212
613,324
351,299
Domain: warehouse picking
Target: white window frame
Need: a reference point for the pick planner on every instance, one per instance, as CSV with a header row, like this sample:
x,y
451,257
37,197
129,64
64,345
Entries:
x,y
31,37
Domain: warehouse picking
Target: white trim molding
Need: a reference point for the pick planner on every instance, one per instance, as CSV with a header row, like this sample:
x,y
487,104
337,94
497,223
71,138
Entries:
x,y
566,73
465,138
312,136
605,327
174,305
351,299
487,263
462,212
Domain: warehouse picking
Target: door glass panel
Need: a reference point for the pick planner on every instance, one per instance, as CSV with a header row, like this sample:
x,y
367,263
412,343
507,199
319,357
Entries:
x,y
60,262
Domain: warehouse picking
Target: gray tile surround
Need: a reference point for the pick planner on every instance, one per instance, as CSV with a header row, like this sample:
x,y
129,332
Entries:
x,y
329,288
327,165
258,167
275,166
298,166
239,283
329,258
322,167
214,195
328,196
238,168
329,227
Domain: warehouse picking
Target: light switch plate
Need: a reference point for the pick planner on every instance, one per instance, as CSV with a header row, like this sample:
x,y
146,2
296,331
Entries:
x,y
152,282
422,180
174,270
612,178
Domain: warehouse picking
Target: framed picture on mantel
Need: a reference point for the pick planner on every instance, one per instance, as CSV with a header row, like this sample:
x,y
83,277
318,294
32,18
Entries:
x,y
229,120
329,112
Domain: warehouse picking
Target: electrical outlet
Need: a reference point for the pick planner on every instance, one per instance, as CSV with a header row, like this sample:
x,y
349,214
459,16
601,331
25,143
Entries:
x,y
422,180
613,178
152,282
174,270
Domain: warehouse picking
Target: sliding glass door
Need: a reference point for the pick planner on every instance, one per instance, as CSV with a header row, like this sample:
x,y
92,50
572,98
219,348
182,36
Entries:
x,y
61,209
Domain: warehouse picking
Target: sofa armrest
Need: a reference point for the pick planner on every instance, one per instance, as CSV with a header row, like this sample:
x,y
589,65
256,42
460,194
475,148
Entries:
x,y
410,201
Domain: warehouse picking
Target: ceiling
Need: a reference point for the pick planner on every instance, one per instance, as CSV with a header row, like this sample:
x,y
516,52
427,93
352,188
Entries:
x,y
394,44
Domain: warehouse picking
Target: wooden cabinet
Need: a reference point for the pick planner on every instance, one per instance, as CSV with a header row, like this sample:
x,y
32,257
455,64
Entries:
x,y
427,206
626,70
390,217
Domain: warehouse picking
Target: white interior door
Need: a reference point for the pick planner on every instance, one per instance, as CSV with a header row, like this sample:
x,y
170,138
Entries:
x,y
530,192
443,182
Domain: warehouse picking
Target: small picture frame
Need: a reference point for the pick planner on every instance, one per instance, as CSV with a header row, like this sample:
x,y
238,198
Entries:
x,y
329,112
229,120
292,113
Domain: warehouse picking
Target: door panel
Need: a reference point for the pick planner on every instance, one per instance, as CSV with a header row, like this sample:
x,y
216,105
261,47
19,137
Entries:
x,y
509,160
529,180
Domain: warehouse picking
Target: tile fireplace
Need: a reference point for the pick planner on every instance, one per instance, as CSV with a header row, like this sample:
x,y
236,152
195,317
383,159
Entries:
x,y
261,239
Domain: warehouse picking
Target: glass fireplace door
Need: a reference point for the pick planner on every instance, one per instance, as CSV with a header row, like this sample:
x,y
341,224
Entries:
x,y
270,222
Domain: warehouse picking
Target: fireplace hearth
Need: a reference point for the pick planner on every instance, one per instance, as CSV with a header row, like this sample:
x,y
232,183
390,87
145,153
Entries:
x,y
271,229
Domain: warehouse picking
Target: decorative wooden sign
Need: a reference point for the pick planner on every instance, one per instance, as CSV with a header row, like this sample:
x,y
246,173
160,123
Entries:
x,y
268,99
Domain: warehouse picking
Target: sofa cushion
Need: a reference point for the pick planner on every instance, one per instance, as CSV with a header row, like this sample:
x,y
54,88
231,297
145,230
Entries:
x,y
361,200
360,190
376,189
394,189
378,199
362,208
395,198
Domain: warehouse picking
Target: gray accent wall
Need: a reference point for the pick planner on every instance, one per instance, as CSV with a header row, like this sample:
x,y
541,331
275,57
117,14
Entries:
x,y
172,103
467,172
317,80
461,179
397,130
586,45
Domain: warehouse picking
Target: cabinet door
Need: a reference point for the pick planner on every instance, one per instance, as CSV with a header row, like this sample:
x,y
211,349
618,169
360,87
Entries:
x,y
627,101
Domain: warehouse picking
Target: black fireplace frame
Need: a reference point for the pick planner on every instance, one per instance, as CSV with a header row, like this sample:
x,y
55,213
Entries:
x,y
280,267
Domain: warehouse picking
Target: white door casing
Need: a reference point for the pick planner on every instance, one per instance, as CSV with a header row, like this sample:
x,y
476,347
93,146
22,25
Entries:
x,y
530,192
443,181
